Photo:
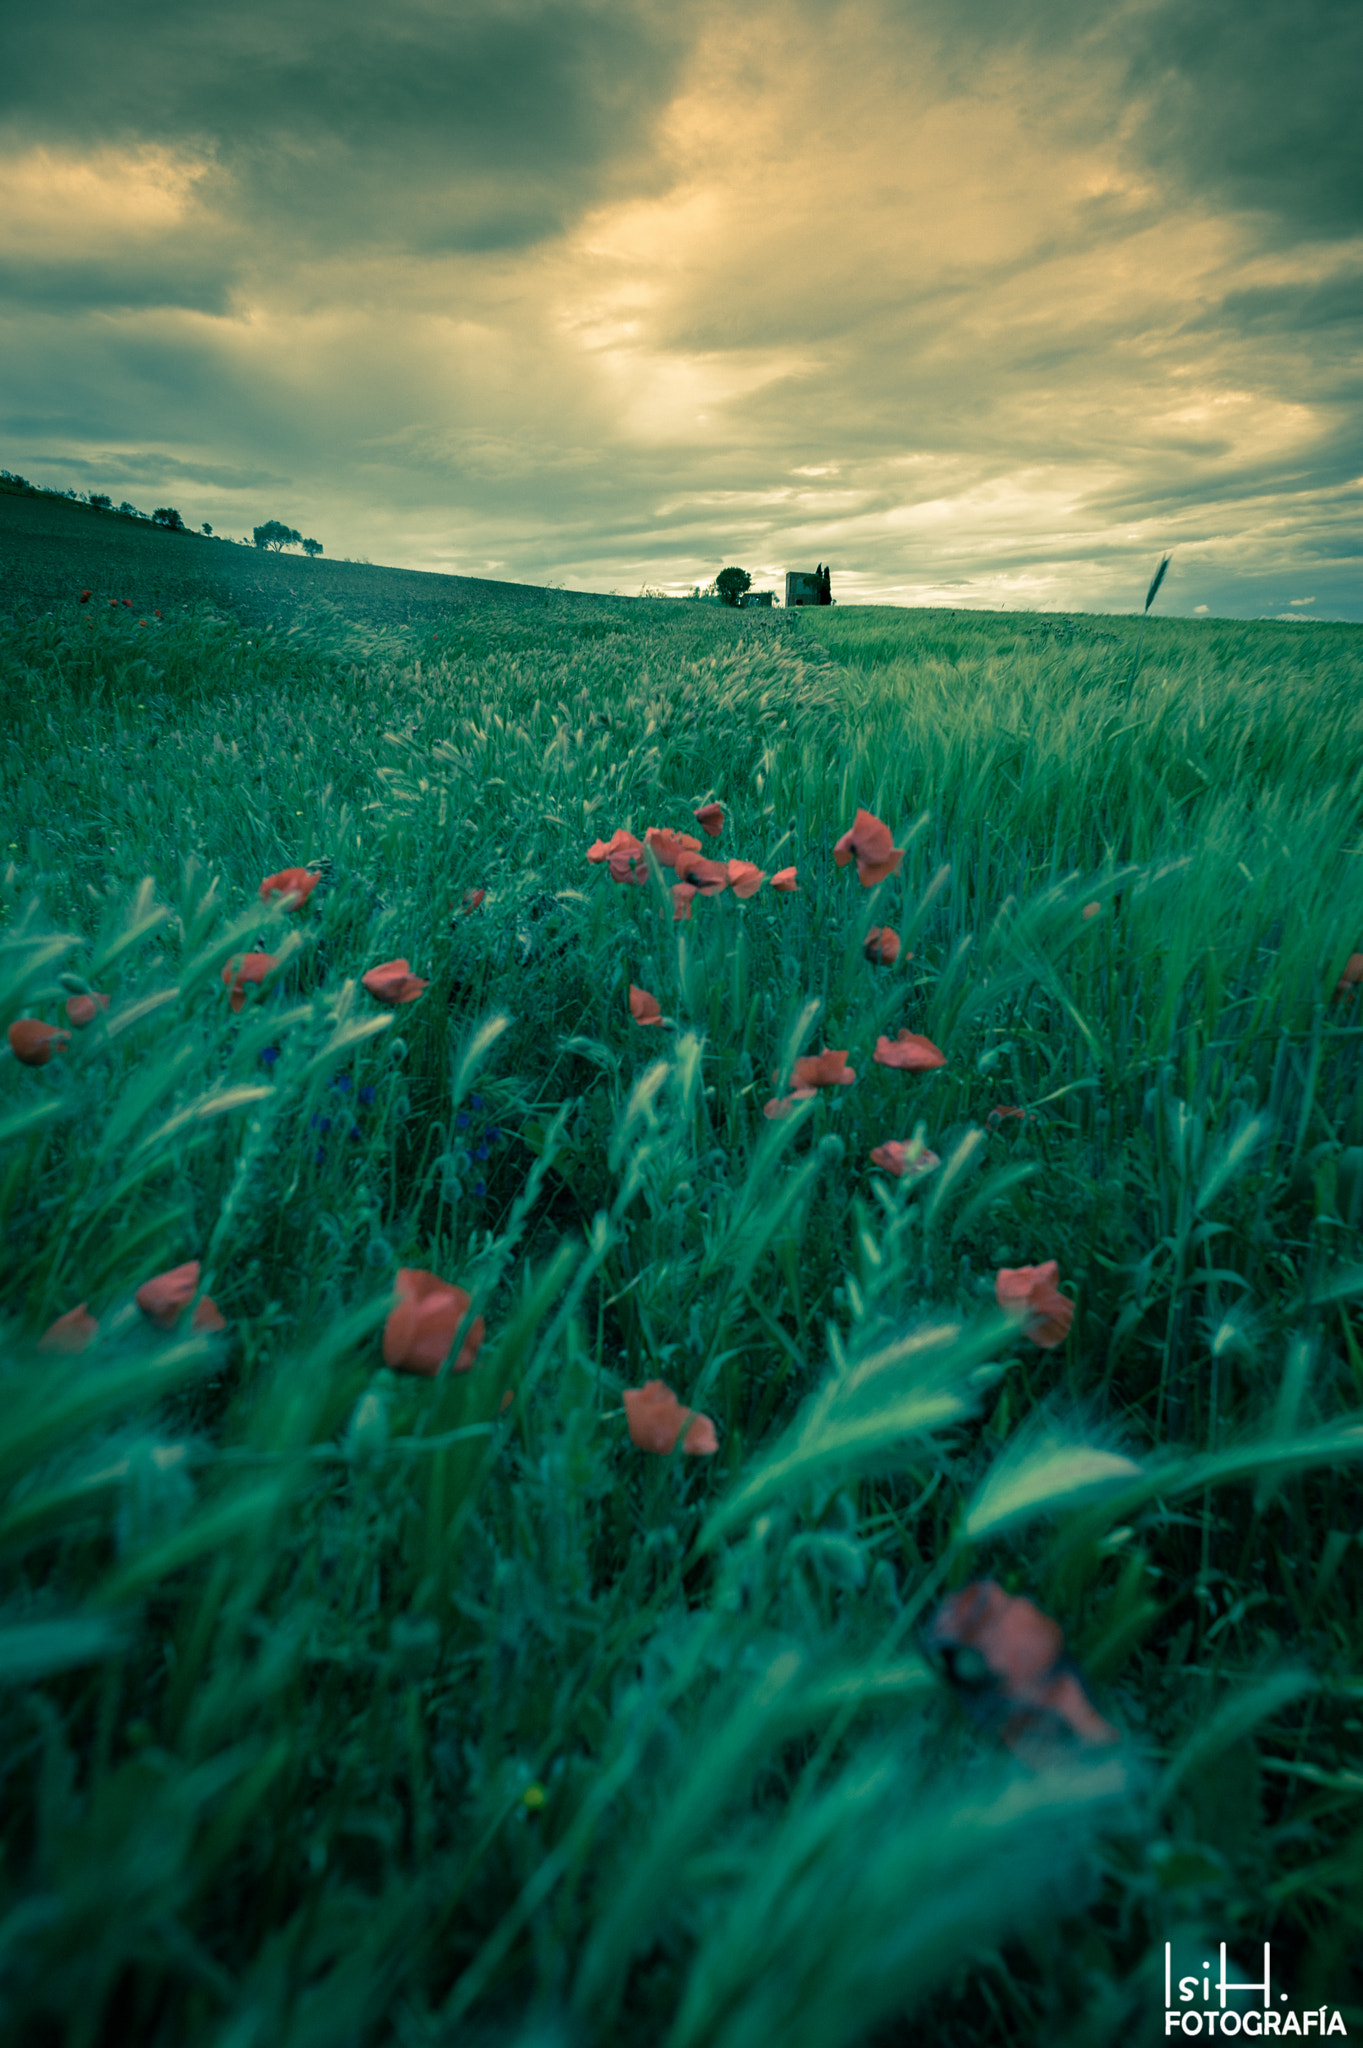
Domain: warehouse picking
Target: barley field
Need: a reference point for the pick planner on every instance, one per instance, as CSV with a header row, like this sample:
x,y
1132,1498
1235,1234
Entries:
x,y
594,1457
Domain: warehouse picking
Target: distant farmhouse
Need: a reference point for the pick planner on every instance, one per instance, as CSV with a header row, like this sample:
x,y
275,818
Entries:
x,y
802,587
757,597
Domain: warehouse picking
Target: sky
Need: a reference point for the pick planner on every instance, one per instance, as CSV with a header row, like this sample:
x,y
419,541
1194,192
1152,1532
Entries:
x,y
984,305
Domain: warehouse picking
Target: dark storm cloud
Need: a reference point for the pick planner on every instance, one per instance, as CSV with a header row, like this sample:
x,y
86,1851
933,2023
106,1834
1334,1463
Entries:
x,y
114,285
159,469
1249,103
339,121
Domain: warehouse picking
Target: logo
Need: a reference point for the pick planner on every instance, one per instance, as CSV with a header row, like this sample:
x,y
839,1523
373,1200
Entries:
x,y
1196,2004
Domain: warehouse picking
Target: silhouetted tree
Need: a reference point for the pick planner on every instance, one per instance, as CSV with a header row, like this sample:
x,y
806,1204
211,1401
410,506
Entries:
x,y
274,534
825,585
101,501
206,528
167,516
312,548
731,584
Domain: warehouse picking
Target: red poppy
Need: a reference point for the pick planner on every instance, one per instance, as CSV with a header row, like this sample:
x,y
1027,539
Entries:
x,y
881,947
784,880
163,1299
33,1043
871,845
745,879
289,882
710,818
1003,1110
1006,1661
71,1332
1351,977
823,1070
128,602
1032,1289
84,599
155,615
709,876
909,1051
394,982
420,1328
1090,910
472,899
82,1010
902,1157
656,1419
667,845
244,967
643,1007
782,1105
682,895
620,841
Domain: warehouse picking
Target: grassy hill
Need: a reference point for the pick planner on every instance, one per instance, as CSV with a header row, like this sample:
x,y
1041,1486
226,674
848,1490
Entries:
x,y
350,1702
52,548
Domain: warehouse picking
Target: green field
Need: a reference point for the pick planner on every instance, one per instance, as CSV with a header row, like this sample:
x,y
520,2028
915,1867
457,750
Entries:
x,y
348,1705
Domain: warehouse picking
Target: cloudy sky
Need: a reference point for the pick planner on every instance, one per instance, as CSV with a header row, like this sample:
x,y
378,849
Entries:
x,y
984,304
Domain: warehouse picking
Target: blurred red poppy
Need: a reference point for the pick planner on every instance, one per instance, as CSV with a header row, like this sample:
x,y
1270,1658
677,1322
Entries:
x,y
784,880
420,1328
1003,1110
823,1070
745,878
34,1043
871,845
629,865
710,818
905,1157
1090,910
621,841
246,967
709,876
1351,977
71,1332
1006,1662
82,1010
472,899
84,599
682,895
881,947
156,615
1033,1290
394,982
163,1299
644,1008
289,882
909,1051
656,1419
667,845
782,1105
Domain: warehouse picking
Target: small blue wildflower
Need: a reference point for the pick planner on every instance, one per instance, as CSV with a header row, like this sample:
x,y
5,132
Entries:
x,y
366,1096
480,1151
355,1131
479,1187
463,1120
342,1081
491,1135
269,1056
319,1155
475,1102
320,1122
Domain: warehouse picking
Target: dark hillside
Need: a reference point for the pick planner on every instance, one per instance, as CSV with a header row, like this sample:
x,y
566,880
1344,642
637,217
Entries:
x,y
52,548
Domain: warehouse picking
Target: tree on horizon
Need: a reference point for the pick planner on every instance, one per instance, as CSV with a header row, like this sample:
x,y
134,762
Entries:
x,y
275,535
